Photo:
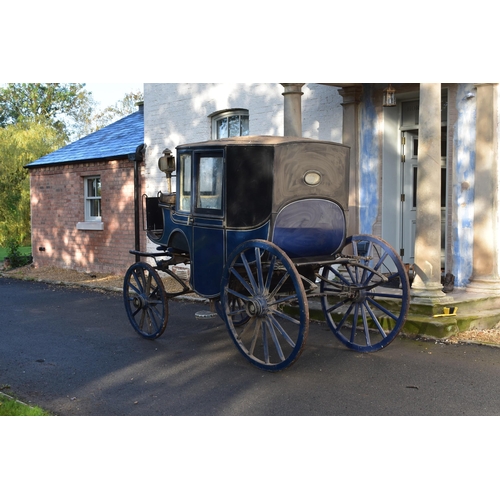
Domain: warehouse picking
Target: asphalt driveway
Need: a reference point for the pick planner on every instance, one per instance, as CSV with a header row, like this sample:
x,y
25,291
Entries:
x,y
73,352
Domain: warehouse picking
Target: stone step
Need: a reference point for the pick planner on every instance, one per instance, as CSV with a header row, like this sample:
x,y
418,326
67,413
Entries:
x,y
472,313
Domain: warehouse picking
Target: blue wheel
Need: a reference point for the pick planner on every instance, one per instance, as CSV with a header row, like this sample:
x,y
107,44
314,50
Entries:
x,y
365,294
260,286
145,300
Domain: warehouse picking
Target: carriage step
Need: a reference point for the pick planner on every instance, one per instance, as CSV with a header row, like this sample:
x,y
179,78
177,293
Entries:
x,y
205,315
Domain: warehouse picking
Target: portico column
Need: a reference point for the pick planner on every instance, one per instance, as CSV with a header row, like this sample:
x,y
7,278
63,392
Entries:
x,y
427,284
351,97
292,109
485,264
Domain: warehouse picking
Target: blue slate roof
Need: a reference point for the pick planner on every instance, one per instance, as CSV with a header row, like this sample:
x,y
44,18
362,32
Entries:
x,y
118,139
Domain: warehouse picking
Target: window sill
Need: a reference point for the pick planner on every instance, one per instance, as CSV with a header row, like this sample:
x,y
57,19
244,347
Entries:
x,y
96,225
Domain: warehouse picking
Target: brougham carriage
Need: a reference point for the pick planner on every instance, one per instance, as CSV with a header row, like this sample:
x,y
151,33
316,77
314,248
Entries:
x,y
260,222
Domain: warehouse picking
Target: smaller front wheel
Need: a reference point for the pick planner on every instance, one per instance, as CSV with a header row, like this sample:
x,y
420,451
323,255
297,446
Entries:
x,y
145,300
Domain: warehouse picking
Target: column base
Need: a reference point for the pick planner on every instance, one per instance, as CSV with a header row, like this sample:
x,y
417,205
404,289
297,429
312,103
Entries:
x,y
489,286
430,293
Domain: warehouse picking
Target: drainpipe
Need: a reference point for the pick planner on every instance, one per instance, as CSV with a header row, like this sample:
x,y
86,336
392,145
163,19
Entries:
x,y
138,158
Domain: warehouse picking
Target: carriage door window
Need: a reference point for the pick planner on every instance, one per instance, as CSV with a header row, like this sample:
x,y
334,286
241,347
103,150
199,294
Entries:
x,y
184,194
209,186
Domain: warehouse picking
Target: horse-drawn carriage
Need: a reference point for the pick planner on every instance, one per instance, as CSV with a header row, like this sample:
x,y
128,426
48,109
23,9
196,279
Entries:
x,y
259,221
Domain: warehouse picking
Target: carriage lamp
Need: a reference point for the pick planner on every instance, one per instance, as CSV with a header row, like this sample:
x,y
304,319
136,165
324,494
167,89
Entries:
x,y
166,163
389,97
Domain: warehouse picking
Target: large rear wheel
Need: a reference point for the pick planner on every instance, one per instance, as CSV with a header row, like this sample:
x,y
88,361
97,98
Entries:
x,y
264,305
366,294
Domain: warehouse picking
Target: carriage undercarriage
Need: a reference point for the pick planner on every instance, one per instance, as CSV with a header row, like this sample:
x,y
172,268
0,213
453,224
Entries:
x,y
264,297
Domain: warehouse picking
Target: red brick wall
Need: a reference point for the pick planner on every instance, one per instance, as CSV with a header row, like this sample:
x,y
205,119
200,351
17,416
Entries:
x,y
57,205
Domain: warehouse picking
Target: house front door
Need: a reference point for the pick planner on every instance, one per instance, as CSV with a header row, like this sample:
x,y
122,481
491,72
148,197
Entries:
x,y
409,186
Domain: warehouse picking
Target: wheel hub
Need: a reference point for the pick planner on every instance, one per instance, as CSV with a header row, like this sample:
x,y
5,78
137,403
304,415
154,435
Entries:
x,y
359,296
140,301
257,306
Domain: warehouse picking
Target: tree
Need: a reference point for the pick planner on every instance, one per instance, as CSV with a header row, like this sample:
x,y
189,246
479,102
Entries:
x,y
36,119
120,109
48,103
88,120
20,144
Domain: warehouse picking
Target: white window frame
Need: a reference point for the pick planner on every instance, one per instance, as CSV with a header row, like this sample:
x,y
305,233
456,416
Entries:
x,y
92,222
220,115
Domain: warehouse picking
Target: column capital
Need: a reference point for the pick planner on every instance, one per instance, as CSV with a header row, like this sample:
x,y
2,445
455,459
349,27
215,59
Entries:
x,y
485,84
292,88
351,94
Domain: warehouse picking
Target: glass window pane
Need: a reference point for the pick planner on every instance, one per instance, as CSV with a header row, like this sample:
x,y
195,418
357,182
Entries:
x,y
234,126
92,198
90,188
185,183
222,128
210,183
95,208
244,125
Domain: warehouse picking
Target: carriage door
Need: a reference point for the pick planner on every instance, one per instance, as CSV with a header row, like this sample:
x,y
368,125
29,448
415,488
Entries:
x,y
409,167
207,260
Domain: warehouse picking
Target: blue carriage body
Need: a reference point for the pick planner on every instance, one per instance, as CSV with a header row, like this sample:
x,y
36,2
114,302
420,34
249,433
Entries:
x,y
291,191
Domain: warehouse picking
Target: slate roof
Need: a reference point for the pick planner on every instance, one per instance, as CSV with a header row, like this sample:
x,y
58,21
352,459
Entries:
x,y
118,139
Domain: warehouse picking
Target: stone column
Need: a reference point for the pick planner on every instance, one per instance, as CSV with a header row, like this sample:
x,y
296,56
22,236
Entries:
x,y
350,137
292,109
485,265
427,283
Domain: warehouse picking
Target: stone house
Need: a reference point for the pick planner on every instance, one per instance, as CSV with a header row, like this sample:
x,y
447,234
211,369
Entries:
x,y
84,198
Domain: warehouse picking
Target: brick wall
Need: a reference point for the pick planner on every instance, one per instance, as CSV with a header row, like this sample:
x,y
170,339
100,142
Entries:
x,y
57,205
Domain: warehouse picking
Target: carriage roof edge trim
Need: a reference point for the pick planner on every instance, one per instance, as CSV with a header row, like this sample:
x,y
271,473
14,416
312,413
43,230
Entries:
x,y
257,140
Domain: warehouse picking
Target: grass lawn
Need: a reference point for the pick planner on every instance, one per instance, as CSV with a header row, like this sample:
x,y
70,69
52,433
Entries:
x,y
12,408
22,251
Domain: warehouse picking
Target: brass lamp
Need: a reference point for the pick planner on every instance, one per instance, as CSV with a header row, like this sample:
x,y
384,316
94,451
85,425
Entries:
x,y
389,97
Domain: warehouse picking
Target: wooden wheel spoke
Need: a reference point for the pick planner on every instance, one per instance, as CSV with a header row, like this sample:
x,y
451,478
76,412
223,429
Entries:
x,y
253,284
382,308
282,331
375,321
242,280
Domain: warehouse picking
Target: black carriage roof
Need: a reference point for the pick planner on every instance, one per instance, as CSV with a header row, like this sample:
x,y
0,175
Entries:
x,y
256,140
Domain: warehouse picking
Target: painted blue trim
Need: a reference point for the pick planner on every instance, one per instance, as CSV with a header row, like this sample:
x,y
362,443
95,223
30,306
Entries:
x,y
464,137
368,162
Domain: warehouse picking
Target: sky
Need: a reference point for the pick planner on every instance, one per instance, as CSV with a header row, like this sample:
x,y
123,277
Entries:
x,y
107,94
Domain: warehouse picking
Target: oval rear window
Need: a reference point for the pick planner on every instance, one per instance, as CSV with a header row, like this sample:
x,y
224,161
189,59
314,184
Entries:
x,y
312,178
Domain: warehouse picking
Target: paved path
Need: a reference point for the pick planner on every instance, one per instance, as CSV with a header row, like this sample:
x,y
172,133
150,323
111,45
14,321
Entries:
x,y
73,352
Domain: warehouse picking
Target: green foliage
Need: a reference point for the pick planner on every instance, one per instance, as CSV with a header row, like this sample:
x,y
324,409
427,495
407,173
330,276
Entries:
x,y
12,408
14,253
25,251
120,109
21,144
45,103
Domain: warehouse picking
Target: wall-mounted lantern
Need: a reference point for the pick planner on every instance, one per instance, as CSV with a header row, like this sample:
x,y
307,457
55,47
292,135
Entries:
x,y
389,97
